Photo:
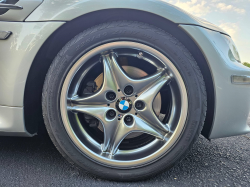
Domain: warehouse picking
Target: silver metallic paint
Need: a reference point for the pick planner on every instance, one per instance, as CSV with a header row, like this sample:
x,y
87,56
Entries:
x,y
18,51
67,10
232,103
19,15
11,122
17,55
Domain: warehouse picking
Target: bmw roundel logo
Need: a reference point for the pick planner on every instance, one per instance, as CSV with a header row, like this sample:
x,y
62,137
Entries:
x,y
123,105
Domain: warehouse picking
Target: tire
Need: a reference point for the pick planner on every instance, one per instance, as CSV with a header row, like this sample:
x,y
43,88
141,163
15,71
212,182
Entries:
x,y
139,33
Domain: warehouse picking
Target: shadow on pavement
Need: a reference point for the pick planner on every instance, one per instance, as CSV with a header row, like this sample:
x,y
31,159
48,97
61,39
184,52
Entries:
x,y
35,161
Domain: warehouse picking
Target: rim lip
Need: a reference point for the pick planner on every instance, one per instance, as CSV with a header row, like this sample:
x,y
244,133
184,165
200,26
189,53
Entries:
x,y
131,163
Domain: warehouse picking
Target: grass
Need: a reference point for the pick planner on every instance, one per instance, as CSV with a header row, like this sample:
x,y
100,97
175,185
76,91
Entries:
x,y
246,64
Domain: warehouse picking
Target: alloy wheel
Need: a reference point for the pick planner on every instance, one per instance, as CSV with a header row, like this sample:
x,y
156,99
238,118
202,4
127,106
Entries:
x,y
122,105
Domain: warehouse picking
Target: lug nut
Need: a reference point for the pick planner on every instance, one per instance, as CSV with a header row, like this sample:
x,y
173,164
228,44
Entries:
x,y
111,96
139,105
128,90
111,114
128,120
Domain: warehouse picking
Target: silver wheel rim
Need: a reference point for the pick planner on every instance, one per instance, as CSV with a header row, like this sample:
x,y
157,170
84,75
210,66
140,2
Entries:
x,y
115,130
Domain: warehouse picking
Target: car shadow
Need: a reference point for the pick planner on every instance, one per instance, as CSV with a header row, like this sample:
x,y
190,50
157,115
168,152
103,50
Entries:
x,y
36,161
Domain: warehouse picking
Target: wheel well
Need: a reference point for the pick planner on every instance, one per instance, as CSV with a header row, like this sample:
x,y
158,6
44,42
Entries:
x,y
34,84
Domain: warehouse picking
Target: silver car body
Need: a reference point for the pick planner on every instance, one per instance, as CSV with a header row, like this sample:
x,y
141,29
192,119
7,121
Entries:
x,y
32,26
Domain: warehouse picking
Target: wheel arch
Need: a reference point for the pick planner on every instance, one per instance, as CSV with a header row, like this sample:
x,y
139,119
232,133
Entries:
x,y
34,83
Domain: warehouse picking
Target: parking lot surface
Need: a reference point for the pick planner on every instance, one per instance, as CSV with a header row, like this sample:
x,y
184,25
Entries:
x,y
36,162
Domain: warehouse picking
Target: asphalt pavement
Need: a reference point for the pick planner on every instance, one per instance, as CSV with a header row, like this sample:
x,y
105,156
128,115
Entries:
x,y
36,162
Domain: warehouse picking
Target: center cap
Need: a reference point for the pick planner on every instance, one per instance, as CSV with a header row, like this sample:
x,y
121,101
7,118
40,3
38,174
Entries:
x,y
123,105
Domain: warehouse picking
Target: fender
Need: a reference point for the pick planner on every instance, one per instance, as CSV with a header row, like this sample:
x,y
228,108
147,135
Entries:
x,y
68,10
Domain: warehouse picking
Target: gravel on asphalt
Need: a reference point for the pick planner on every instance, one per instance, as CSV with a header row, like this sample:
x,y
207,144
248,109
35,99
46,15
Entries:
x,y
36,162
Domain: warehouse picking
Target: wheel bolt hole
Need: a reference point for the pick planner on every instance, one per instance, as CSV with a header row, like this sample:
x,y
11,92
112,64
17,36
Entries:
x,y
128,90
128,120
111,114
139,105
111,96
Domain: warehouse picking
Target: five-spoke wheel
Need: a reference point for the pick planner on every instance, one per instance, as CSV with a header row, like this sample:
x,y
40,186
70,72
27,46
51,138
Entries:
x,y
124,100
123,103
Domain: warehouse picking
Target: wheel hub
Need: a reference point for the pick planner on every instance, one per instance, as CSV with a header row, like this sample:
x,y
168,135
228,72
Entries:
x,y
123,105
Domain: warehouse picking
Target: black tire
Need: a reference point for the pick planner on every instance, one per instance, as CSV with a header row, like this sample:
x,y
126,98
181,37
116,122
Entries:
x,y
126,31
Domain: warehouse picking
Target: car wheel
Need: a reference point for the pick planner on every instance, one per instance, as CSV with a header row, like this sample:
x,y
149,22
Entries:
x,y
124,100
